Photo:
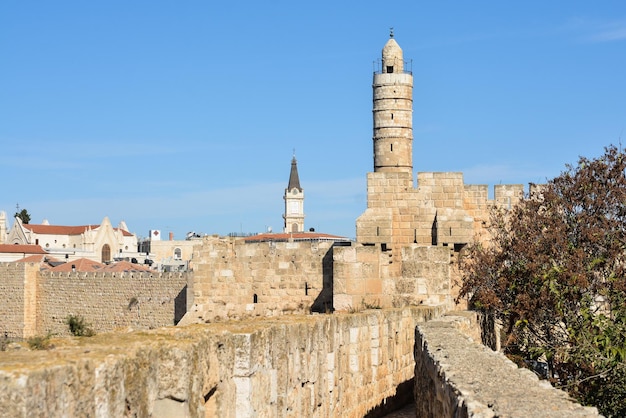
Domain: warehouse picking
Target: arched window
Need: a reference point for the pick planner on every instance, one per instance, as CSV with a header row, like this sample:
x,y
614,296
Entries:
x,y
106,253
178,254
294,228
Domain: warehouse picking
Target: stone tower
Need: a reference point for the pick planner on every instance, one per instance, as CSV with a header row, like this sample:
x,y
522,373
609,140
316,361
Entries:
x,y
393,112
294,201
398,214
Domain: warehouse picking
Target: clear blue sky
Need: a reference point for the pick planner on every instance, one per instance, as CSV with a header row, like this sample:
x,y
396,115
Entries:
x,y
183,115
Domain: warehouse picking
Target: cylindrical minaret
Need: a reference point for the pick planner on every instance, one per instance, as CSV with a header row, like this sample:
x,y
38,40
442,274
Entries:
x,y
393,112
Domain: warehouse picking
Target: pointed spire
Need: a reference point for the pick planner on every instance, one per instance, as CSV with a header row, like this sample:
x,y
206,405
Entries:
x,y
294,180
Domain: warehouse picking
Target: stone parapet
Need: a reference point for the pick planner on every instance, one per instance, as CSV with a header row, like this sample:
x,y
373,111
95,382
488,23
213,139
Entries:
x,y
458,377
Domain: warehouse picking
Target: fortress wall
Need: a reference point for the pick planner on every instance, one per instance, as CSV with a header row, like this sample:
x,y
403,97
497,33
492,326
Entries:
x,y
446,189
340,365
357,278
386,189
425,276
458,377
234,279
363,276
476,200
375,226
507,195
109,300
13,300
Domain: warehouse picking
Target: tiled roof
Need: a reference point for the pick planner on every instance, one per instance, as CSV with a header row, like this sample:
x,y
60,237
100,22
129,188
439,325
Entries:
x,y
45,261
65,230
125,266
36,258
295,236
80,264
21,248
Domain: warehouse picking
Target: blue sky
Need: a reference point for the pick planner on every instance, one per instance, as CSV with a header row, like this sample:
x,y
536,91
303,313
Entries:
x,y
183,116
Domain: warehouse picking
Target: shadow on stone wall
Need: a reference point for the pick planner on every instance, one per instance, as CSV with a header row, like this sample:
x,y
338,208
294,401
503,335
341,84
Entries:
x,y
402,398
323,303
180,305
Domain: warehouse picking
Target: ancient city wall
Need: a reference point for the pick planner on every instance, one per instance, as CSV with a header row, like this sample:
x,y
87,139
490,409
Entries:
x,y
363,276
339,365
235,279
110,300
17,299
34,302
458,377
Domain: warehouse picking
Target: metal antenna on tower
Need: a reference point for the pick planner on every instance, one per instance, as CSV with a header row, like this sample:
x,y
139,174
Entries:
x,y
391,32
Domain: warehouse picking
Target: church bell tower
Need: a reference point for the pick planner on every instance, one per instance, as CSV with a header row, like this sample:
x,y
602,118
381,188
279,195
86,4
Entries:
x,y
393,112
294,201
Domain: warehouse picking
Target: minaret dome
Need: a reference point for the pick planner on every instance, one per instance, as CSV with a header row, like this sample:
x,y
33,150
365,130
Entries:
x,y
392,57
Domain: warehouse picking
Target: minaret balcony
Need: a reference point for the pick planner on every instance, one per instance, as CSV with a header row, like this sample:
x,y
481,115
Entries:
x,y
379,68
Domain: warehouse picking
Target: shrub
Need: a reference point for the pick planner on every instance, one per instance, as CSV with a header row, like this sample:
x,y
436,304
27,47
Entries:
x,y
40,342
78,326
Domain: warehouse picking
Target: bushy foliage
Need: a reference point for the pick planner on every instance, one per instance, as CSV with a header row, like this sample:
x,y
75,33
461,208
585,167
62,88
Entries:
x,y
40,342
554,274
78,326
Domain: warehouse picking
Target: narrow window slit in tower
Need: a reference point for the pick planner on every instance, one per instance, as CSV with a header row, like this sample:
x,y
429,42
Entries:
x,y
391,147
392,116
390,68
255,298
377,230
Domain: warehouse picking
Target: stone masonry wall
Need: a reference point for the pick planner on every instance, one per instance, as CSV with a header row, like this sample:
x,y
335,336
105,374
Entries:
x,y
235,279
458,377
441,210
110,300
358,277
362,277
339,365
12,299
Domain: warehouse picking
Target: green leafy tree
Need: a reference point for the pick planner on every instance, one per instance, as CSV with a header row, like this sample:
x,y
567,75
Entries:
x,y
23,215
553,272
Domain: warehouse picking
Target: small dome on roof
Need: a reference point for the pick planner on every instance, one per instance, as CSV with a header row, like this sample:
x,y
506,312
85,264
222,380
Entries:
x,y
392,57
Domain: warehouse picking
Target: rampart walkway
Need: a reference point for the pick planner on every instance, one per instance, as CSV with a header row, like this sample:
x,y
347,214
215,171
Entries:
x,y
338,365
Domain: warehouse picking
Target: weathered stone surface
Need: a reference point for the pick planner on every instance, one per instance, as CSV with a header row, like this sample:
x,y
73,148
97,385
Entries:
x,y
340,365
235,279
457,377
34,302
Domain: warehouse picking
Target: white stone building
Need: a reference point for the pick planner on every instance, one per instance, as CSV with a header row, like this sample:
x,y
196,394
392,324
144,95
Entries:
x,y
102,243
